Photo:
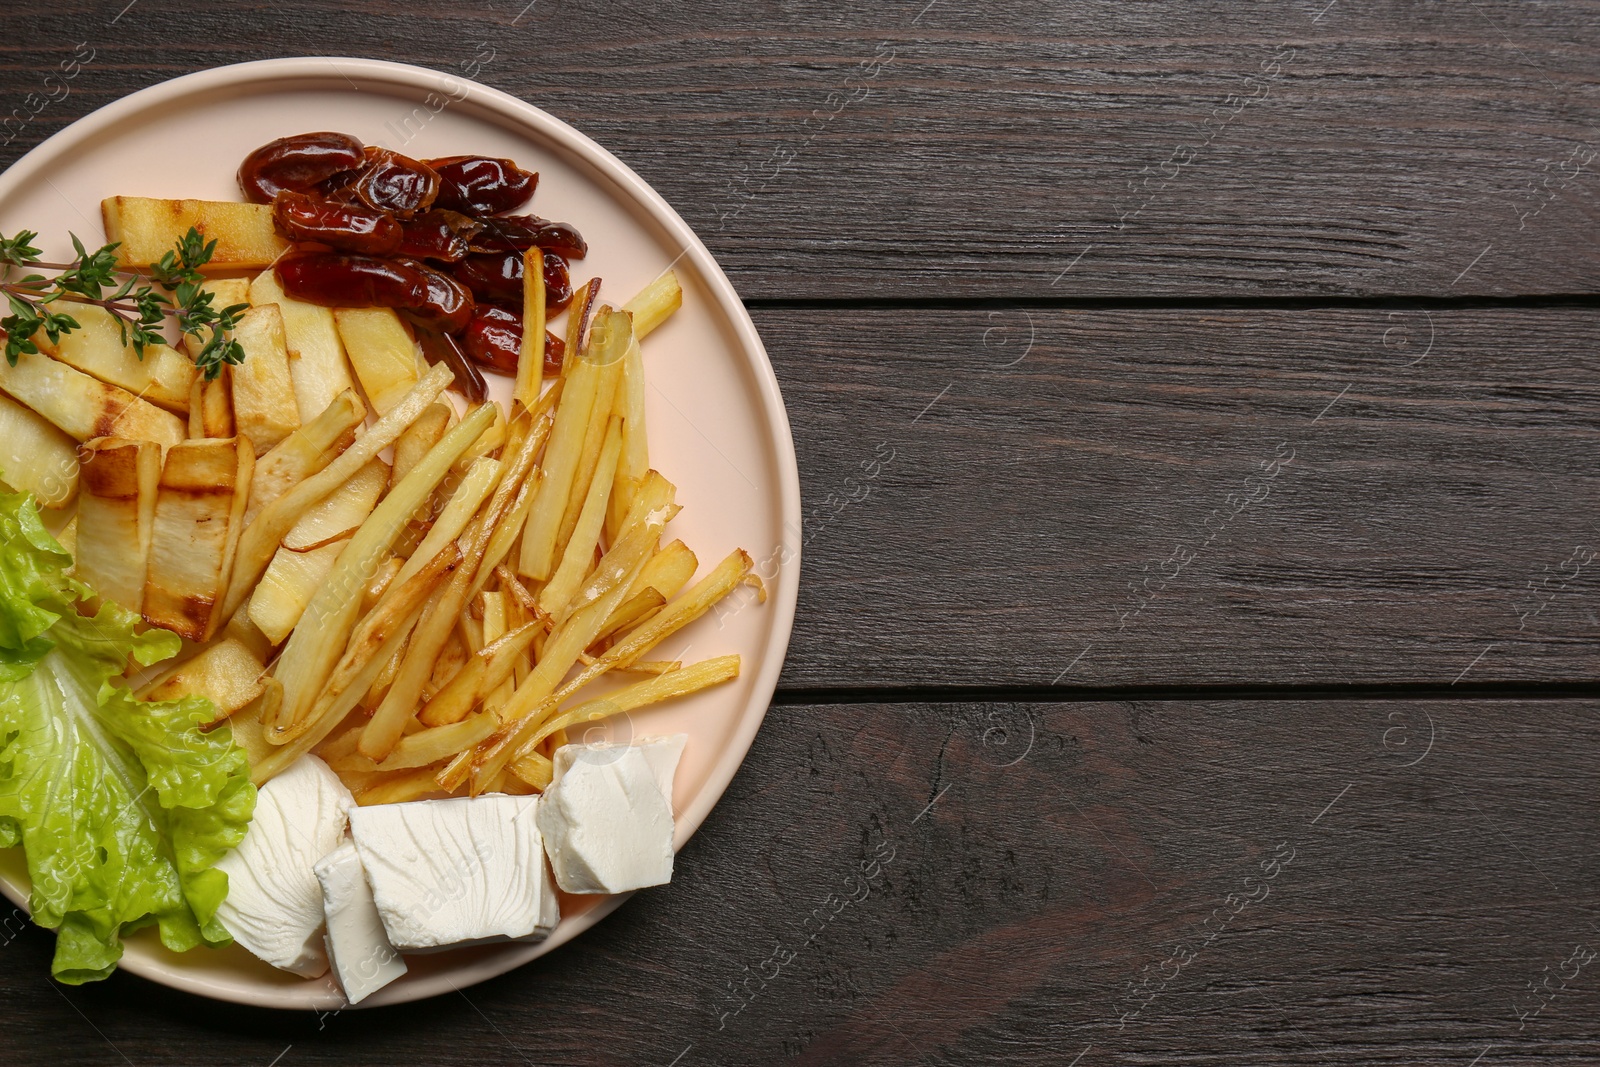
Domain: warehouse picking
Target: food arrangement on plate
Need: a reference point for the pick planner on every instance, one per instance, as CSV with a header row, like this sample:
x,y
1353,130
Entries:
x,y
304,665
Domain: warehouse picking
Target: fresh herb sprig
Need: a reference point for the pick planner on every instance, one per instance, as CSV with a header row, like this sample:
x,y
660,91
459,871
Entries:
x,y
140,308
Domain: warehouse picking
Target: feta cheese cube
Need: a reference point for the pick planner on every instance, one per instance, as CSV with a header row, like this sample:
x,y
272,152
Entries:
x,y
359,950
464,871
274,902
607,816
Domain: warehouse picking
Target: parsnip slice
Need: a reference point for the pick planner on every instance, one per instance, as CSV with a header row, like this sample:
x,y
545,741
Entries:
x,y
199,508
147,229
381,351
116,513
96,347
264,404
317,361
84,407
35,457
227,673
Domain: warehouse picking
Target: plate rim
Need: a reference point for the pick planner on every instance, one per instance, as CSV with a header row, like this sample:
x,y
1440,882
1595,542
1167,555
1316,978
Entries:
x,y
785,592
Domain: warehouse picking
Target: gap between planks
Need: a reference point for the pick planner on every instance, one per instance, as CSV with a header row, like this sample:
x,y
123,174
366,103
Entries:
x,y
793,697
1174,303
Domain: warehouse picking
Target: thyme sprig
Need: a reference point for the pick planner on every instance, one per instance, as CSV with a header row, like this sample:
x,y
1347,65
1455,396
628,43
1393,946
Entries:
x,y
37,301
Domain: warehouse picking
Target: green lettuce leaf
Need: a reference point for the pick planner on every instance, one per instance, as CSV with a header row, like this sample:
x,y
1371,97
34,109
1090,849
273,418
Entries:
x,y
123,806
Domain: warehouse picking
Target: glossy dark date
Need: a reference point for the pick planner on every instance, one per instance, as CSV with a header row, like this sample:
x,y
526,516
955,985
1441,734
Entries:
x,y
436,235
343,279
395,183
297,163
480,185
449,304
350,228
497,277
494,340
517,233
442,348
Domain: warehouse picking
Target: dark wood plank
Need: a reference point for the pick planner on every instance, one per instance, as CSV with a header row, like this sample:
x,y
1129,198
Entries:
x,y
1034,866
1117,487
1177,148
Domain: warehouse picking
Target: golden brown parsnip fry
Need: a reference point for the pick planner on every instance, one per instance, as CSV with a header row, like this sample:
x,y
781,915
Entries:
x,y
655,303
381,351
635,460
227,673
483,673
35,457
261,538
668,570
530,360
439,742
608,346
312,649
372,643
317,363
264,405
305,452
668,686
561,461
146,229
578,556
83,407
400,788
632,611
99,348
116,514
198,511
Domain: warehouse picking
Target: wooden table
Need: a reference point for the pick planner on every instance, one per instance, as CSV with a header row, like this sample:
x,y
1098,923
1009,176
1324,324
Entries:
x,y
1196,405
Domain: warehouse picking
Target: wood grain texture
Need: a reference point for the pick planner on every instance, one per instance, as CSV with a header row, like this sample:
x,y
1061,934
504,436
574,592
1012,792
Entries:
x,y
1336,496
1034,865
1191,148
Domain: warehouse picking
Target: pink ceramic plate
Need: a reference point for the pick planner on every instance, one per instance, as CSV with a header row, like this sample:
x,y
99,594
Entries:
x,y
717,424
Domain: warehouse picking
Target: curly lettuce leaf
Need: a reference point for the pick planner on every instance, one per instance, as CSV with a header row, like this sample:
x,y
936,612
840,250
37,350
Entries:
x,y
123,806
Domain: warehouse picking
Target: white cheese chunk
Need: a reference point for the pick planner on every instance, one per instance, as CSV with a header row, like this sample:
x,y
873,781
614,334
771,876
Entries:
x,y
274,902
453,872
607,816
359,950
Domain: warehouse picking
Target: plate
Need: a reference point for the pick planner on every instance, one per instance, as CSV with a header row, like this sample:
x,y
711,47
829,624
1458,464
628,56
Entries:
x,y
717,424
